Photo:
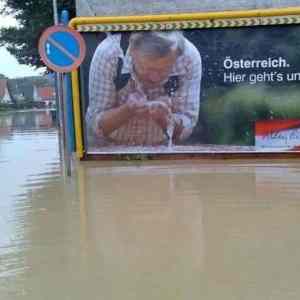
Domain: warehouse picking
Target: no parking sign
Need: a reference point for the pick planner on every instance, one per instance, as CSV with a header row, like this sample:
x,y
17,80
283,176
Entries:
x,y
61,48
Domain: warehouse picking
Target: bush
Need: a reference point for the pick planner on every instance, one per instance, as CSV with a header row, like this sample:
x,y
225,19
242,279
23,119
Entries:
x,y
228,117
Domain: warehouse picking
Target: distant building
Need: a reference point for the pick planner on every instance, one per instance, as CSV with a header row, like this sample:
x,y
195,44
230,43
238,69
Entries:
x,y
44,95
4,93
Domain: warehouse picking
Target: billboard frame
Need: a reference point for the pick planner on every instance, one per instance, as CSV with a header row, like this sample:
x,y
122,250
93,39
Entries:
x,y
203,20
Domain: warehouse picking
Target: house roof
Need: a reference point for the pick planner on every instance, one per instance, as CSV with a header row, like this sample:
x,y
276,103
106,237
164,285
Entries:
x,y
46,93
3,84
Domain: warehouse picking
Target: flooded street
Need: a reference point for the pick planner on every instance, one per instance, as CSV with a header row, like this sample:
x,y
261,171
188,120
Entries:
x,y
143,230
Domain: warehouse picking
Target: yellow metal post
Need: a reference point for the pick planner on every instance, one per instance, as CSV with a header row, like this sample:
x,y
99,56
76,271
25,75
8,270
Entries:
x,y
77,114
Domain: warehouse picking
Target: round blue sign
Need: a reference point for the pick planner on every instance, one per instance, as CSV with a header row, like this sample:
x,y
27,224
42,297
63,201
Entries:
x,y
62,49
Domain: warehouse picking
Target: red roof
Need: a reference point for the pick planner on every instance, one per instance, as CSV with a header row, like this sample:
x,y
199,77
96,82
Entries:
x,y
3,83
46,93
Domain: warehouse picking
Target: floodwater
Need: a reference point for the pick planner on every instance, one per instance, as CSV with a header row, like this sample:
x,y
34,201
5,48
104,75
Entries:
x,y
143,230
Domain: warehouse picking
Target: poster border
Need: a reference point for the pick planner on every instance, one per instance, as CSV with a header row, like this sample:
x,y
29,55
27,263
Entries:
x,y
203,20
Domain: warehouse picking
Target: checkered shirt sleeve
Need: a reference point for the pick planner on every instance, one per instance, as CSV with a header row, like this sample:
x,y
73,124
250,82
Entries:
x,y
186,103
102,93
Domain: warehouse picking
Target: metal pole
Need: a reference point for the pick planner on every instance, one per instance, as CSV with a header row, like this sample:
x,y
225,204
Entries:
x,y
68,101
60,97
66,154
64,19
55,13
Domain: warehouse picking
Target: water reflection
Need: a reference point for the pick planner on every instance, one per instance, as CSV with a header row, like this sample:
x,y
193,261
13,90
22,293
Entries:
x,y
153,232
132,230
25,120
190,230
28,147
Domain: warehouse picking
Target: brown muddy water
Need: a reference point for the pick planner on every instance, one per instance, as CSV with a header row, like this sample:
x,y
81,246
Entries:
x,y
143,230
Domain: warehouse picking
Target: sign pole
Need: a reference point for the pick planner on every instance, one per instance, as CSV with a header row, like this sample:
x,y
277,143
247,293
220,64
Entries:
x,y
60,100
66,112
63,49
66,155
55,13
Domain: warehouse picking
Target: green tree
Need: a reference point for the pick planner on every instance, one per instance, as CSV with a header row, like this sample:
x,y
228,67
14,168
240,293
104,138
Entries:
x,y
33,17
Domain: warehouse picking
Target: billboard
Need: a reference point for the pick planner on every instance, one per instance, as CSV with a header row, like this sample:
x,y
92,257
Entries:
x,y
183,89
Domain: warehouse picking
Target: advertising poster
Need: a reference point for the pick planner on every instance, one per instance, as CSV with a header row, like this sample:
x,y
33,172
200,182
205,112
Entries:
x,y
192,91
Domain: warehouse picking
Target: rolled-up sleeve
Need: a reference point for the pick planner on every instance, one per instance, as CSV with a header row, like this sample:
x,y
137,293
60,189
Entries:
x,y
102,93
187,101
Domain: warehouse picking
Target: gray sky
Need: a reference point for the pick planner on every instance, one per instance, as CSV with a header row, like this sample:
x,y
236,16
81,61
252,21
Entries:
x,y
8,63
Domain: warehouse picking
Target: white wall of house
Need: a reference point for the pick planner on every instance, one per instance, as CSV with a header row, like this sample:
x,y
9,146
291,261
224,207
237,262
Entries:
x,y
36,96
6,98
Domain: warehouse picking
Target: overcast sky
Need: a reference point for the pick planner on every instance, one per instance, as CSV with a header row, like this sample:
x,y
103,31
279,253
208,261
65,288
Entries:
x,y
8,63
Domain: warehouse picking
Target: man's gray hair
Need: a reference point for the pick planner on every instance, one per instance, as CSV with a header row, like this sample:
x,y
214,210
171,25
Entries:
x,y
157,43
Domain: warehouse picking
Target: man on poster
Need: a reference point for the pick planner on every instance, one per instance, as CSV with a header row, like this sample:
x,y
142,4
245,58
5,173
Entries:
x,y
147,95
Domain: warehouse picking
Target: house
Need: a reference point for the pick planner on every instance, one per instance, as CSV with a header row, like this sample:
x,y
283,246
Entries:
x,y
46,95
4,93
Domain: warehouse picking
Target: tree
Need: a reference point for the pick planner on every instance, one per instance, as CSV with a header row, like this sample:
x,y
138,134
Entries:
x,y
33,17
